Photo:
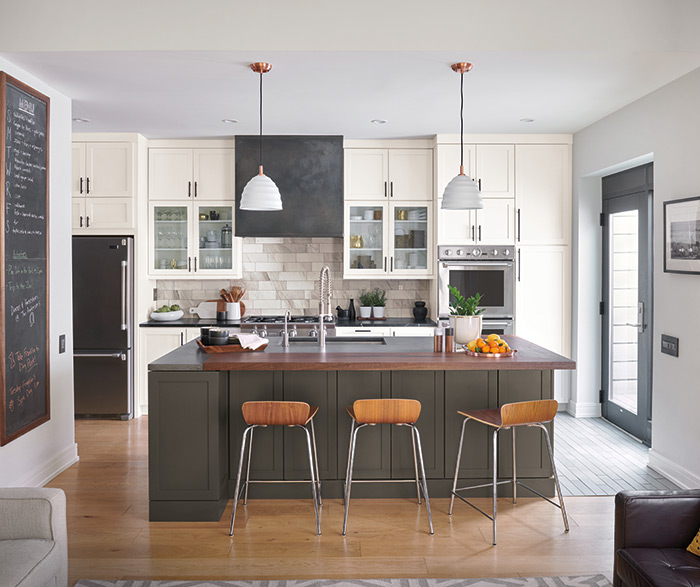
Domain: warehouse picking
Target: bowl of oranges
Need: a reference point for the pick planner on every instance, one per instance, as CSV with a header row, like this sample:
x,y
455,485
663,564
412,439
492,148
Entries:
x,y
493,346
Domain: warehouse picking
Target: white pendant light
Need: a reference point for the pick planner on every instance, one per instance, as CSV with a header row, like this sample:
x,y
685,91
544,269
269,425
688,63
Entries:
x,y
260,193
462,193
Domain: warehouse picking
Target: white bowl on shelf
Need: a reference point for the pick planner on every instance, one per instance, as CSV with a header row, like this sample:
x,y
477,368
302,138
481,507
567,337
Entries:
x,y
167,316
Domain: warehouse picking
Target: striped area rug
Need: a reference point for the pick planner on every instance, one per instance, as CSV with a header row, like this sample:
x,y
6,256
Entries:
x,y
578,581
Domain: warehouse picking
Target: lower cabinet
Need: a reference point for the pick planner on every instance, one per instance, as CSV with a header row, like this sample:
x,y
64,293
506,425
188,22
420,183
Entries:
x,y
196,428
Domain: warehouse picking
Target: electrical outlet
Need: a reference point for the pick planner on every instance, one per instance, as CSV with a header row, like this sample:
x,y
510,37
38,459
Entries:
x,y
400,287
61,343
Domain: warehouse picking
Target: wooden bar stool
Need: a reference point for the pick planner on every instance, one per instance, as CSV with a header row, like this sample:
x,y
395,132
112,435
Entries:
x,y
277,413
531,413
402,412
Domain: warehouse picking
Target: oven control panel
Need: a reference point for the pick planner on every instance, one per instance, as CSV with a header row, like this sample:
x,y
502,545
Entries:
x,y
498,253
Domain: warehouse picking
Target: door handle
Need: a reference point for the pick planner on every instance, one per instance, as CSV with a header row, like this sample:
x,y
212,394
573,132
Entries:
x,y
518,225
88,221
195,189
189,189
472,232
81,222
385,189
640,317
88,185
518,264
124,325
479,232
81,185
391,190
121,356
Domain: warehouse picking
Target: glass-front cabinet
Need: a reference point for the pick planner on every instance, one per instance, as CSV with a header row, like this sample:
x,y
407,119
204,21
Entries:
x,y
193,239
389,239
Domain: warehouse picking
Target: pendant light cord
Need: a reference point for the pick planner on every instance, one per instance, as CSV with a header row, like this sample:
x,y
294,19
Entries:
x,y
261,118
461,119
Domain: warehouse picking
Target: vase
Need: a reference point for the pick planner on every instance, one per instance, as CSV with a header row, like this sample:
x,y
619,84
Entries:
x,y
365,311
420,311
351,310
467,328
378,311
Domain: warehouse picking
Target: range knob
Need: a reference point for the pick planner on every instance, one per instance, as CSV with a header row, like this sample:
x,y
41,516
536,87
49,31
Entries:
x,y
476,252
460,252
447,252
506,252
494,252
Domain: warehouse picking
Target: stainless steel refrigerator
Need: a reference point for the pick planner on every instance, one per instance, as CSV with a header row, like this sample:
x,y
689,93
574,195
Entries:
x,y
103,326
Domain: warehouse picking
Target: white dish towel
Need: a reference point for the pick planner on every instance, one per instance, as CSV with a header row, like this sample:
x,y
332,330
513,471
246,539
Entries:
x,y
251,341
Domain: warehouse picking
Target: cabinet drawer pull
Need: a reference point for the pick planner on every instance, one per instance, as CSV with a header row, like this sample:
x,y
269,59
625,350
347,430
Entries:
x,y
362,330
81,185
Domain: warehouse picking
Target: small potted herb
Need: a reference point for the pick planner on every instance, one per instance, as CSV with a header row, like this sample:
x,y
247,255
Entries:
x,y
378,302
466,314
366,300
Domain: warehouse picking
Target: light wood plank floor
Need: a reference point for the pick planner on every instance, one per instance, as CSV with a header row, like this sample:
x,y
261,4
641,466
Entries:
x,y
110,536
594,457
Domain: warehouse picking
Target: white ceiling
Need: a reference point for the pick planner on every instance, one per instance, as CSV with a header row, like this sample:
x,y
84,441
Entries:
x,y
564,81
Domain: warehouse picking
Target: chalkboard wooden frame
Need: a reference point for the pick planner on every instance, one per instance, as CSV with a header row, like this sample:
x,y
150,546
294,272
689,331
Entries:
x,y
24,422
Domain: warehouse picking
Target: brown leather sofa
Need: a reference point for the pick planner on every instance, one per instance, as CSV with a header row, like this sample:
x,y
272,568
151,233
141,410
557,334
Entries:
x,y
652,531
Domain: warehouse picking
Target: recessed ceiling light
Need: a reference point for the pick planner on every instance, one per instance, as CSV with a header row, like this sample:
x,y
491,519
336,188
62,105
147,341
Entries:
x,y
81,120
229,120
378,121
527,120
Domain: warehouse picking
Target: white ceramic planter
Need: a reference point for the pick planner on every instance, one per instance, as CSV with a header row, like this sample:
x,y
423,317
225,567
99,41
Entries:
x,y
365,311
378,311
467,328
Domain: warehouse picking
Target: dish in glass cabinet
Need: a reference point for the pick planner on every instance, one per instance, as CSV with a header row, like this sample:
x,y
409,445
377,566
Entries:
x,y
489,355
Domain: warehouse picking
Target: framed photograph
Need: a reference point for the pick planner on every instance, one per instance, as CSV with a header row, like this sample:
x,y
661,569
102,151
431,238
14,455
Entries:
x,y
682,236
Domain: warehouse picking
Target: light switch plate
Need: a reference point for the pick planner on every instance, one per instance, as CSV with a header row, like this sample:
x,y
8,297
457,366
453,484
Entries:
x,y
669,345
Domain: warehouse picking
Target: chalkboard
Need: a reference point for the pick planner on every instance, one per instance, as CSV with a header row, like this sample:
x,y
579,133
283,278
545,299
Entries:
x,y
308,170
24,162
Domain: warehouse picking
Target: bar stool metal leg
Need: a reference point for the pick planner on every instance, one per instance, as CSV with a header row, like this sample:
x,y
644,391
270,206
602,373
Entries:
x,y
347,465
236,495
459,458
556,477
247,475
313,479
318,477
495,482
348,479
415,466
515,480
425,482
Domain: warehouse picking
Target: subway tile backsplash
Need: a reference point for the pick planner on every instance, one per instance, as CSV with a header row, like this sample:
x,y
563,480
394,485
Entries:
x,y
282,273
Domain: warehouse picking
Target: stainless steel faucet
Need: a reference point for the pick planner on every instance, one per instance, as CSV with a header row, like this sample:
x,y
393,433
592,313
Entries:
x,y
285,332
325,290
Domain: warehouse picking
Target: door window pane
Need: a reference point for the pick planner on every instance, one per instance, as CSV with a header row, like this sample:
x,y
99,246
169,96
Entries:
x,y
215,233
410,237
624,296
170,236
366,237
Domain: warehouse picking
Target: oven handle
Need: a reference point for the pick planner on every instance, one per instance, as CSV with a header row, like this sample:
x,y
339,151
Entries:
x,y
476,263
496,322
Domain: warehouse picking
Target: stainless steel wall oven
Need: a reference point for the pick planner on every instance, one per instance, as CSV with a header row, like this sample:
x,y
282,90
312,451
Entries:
x,y
488,271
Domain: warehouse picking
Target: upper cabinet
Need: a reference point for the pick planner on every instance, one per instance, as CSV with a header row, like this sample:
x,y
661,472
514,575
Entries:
x,y
184,173
103,186
543,194
495,170
103,170
388,174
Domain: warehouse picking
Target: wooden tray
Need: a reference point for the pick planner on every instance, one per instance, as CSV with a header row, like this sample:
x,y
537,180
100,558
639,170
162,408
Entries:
x,y
510,353
372,318
227,348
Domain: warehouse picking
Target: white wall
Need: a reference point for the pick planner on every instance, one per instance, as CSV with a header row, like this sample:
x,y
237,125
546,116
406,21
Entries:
x,y
39,455
663,126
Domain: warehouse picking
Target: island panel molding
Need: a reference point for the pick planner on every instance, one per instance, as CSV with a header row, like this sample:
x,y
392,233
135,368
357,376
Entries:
x,y
24,253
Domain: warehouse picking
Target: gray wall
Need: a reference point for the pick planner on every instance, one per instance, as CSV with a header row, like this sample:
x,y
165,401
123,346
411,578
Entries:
x,y
662,126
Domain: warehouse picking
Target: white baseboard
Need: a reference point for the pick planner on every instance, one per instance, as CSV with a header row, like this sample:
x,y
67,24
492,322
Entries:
x,y
673,471
42,474
583,410
144,411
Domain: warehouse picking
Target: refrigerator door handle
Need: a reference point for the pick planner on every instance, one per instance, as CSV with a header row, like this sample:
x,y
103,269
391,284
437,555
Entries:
x,y
121,356
124,325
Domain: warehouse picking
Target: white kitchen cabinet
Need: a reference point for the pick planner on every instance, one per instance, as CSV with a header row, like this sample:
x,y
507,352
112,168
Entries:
x,y
103,187
388,239
413,331
186,174
495,170
154,342
388,174
103,170
543,194
543,296
494,224
362,331
193,239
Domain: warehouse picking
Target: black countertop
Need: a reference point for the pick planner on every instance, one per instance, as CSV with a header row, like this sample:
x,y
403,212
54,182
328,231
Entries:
x,y
197,322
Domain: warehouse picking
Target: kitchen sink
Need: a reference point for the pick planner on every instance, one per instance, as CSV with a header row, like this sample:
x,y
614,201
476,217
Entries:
x,y
331,340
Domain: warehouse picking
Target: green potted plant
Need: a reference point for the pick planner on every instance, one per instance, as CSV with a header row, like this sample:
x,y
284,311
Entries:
x,y
378,302
466,315
366,300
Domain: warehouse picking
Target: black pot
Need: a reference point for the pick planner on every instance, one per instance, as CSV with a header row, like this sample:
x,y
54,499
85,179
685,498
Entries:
x,y
420,312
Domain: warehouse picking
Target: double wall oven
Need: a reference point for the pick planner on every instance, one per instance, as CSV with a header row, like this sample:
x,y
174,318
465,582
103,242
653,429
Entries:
x,y
488,271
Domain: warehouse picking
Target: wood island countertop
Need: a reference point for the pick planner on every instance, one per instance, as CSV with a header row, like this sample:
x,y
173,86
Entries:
x,y
399,353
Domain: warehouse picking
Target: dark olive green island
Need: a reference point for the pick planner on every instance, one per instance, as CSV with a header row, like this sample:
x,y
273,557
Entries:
x,y
195,422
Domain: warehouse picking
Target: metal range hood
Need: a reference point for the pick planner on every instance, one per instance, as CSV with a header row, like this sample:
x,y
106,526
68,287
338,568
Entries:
x,y
308,171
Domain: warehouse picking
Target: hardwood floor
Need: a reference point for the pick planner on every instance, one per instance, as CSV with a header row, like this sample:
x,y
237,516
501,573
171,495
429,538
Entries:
x,y
110,536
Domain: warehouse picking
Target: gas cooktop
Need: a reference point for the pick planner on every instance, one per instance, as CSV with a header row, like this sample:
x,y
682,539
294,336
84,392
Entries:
x,y
280,319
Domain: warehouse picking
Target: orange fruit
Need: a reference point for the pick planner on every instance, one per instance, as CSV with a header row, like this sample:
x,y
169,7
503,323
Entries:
x,y
480,342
